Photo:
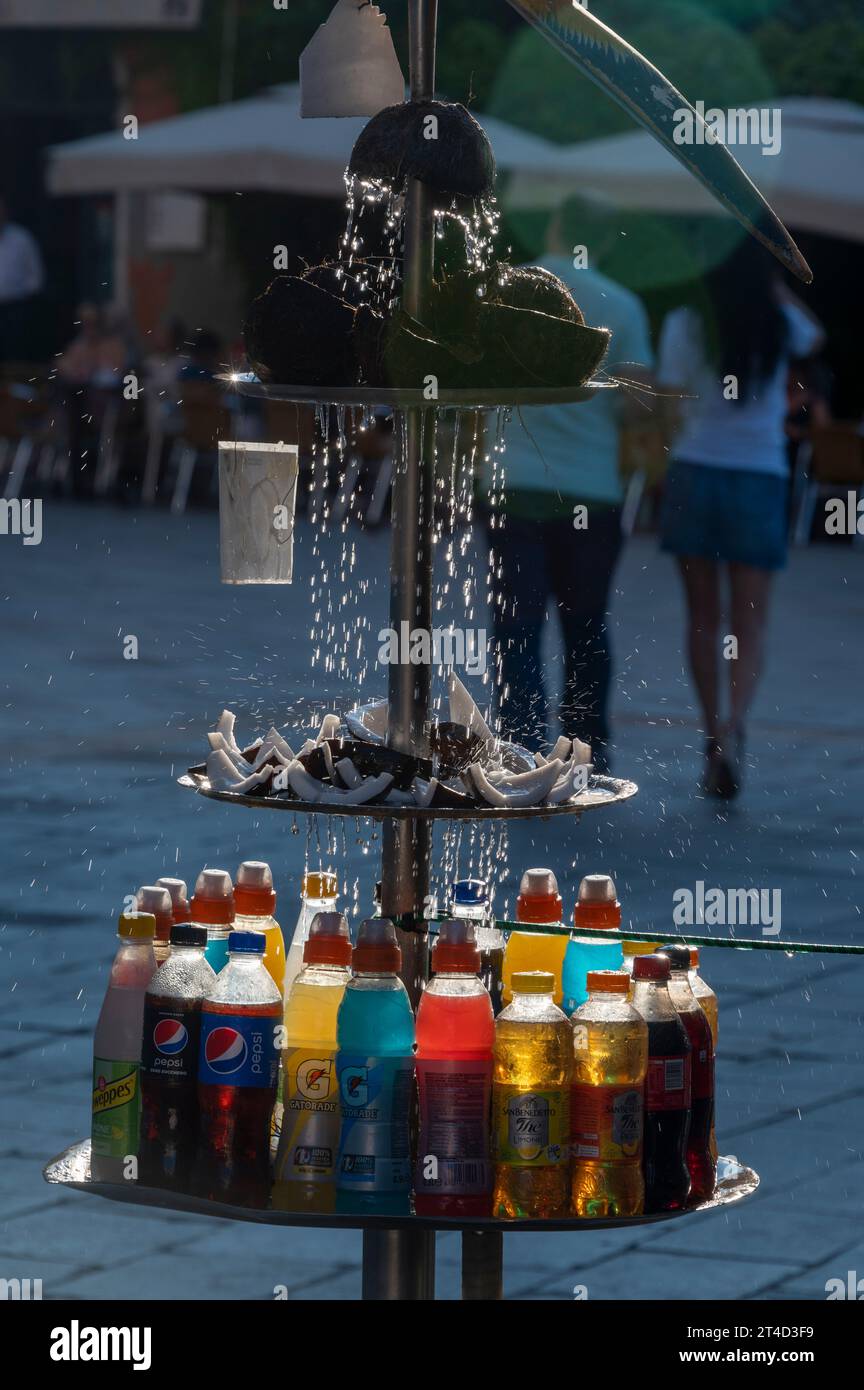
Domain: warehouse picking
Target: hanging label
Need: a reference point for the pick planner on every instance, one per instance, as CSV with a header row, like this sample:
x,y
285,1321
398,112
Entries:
x,y
606,1122
668,1083
453,1149
530,1127
374,1105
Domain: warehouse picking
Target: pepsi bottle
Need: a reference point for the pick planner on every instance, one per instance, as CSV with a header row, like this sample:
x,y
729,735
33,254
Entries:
x,y
169,1062
237,1072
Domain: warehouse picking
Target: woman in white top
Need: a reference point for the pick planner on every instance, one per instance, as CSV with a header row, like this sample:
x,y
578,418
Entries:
x,y
725,505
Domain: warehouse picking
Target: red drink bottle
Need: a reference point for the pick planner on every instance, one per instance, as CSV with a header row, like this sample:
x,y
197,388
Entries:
x,y
667,1088
700,1154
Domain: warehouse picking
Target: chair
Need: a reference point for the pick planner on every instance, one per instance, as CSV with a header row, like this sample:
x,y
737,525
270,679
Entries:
x,y
643,458
22,420
836,460
206,419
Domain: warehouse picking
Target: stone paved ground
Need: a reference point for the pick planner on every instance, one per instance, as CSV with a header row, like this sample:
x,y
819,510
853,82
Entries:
x,y
91,811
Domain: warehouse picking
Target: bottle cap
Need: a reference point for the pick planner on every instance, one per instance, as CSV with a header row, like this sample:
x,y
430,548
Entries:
x,y
136,926
639,948
608,981
213,899
533,982
679,956
179,903
253,890
247,943
377,951
469,892
184,934
329,940
157,901
694,957
455,951
655,967
321,885
539,899
597,903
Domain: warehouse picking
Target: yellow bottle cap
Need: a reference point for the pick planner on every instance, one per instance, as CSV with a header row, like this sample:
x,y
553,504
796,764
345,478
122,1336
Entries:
x,y
533,982
324,885
640,948
136,926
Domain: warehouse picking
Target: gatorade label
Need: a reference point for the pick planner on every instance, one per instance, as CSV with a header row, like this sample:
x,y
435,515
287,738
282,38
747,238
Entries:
x,y
606,1122
310,1122
531,1128
453,1150
374,1102
668,1083
116,1108
238,1050
171,1042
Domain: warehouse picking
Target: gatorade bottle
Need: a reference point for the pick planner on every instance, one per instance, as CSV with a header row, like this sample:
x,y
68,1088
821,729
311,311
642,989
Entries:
x,y
667,1088
179,903
708,999
375,1069
700,1160
610,1058
169,1062
237,1068
117,1052
630,950
538,901
470,899
532,1075
597,905
455,1038
254,905
212,906
309,1143
319,894
157,901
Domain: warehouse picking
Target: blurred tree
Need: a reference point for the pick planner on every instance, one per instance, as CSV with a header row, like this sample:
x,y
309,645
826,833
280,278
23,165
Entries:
x,y
817,53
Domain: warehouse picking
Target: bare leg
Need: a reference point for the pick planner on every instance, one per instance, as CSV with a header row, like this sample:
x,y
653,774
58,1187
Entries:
x,y
750,592
701,579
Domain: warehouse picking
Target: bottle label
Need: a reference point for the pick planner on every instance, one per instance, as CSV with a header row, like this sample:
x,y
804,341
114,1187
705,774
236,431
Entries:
x,y
668,1083
238,1050
530,1128
374,1103
171,1042
453,1150
606,1122
116,1108
310,1122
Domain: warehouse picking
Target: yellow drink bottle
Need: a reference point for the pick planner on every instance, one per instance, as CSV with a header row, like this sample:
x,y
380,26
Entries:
x,y
708,999
532,1071
632,950
254,905
610,1059
538,901
305,1172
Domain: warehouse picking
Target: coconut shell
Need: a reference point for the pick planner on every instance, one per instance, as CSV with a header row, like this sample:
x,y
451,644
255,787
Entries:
x,y
524,348
533,287
395,146
297,333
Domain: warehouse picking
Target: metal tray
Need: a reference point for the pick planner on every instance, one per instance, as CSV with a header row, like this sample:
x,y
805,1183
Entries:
x,y
72,1169
600,792
401,398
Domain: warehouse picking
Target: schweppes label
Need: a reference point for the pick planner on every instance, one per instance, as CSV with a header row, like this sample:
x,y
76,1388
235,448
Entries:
x,y
116,1108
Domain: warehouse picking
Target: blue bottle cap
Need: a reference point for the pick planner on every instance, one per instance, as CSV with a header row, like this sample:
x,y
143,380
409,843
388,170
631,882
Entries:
x,y
248,943
467,892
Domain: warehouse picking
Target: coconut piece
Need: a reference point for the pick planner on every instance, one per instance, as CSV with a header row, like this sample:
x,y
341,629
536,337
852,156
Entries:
x,y
581,751
575,780
225,726
535,783
399,798
464,711
370,759
222,774
348,773
330,726
318,759
299,334
395,146
369,790
563,749
523,347
369,722
219,743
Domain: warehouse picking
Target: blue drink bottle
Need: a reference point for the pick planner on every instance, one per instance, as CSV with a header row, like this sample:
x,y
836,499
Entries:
x,y
375,1073
597,905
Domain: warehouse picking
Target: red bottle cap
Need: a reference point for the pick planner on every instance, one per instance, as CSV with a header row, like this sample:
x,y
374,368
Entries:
x,y
253,890
597,904
456,951
157,901
539,899
179,903
213,900
329,941
651,968
377,950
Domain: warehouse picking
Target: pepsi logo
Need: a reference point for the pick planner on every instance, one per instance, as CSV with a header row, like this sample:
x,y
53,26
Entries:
x,y
225,1050
170,1036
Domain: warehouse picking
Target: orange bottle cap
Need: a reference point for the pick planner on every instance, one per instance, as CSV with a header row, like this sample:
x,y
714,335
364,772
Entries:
x,y
456,951
694,957
597,903
213,900
329,941
539,899
607,982
253,889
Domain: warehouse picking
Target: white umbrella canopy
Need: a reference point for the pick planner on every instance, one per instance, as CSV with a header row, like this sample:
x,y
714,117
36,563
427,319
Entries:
x,y
260,144
813,182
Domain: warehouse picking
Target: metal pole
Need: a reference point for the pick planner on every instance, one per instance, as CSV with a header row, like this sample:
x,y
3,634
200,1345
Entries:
x,y
398,1266
482,1265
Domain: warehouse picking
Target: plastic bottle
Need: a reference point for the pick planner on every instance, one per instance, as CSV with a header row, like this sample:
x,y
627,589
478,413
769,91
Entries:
x,y
179,902
157,901
597,905
630,950
375,1069
700,1159
117,1052
318,894
470,899
254,905
610,1059
169,1062
212,906
455,1038
305,1175
708,999
667,1088
538,901
532,1075
237,1070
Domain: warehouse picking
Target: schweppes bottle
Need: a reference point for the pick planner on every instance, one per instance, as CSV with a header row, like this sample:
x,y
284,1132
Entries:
x,y
309,1140
117,1053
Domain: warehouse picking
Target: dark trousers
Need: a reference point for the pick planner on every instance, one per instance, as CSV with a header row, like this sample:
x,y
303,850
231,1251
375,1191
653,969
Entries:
x,y
549,563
